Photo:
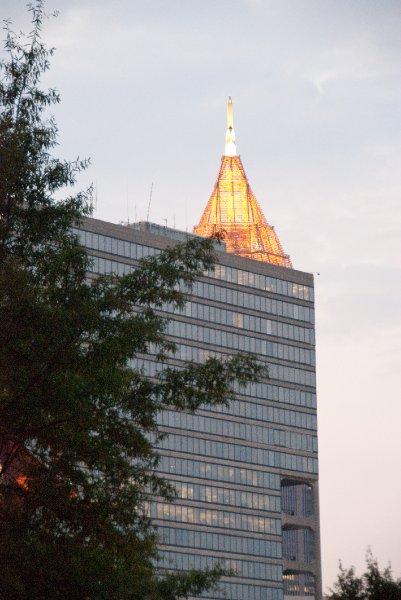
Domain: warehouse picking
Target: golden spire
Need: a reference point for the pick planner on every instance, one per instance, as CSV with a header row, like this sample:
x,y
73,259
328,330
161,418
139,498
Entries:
x,y
233,213
230,148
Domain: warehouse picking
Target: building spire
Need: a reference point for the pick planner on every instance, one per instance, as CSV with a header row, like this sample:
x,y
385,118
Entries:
x,y
230,148
233,214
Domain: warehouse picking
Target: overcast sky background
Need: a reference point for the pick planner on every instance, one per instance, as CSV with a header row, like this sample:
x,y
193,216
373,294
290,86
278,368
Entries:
x,y
316,87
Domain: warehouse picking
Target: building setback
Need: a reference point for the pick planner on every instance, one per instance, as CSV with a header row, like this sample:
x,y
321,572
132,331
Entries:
x,y
247,475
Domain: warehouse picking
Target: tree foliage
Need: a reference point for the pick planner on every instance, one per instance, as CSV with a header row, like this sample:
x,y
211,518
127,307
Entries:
x,y
373,585
78,421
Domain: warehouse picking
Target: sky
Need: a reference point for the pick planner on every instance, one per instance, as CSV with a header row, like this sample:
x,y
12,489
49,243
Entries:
x,y
316,87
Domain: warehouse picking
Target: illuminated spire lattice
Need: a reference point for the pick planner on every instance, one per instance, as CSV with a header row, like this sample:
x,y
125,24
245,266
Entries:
x,y
233,214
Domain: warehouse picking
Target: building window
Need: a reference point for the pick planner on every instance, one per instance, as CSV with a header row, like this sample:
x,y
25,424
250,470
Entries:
x,y
298,583
296,498
298,544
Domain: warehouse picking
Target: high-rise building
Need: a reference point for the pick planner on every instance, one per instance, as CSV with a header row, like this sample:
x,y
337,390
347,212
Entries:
x,y
246,475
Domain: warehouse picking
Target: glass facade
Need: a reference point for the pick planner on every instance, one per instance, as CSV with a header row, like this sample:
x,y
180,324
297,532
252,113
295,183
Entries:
x,y
245,473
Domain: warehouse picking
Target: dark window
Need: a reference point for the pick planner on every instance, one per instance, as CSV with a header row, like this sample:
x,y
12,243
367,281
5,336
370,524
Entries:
x,y
298,544
296,498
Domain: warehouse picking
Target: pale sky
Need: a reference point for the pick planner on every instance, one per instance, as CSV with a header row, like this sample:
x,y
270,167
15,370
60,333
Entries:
x,y
316,87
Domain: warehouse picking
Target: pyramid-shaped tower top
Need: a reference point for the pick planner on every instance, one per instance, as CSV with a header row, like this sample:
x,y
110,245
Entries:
x,y
233,213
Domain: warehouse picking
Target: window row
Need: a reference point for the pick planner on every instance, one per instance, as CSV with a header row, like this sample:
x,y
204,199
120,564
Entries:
x,y
212,314
214,518
241,591
279,372
242,568
257,391
240,431
111,245
252,301
262,282
276,393
172,536
298,544
227,496
236,452
105,266
215,472
216,293
271,414
244,343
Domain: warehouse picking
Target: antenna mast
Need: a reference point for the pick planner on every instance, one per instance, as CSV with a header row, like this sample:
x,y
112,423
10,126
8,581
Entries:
x,y
150,200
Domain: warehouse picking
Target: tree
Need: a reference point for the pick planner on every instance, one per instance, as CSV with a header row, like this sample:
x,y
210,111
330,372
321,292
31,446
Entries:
x,y
373,585
77,421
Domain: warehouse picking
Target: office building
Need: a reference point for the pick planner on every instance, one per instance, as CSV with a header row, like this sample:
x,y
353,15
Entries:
x,y
246,475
